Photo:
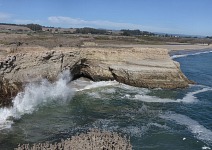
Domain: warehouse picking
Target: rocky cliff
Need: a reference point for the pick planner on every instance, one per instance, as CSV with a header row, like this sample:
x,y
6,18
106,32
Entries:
x,y
142,67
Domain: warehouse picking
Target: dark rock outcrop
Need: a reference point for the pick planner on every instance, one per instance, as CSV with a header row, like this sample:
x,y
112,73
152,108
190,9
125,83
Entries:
x,y
8,90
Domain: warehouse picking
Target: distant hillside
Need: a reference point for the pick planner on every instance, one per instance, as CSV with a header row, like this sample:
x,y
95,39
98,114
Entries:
x,y
22,27
4,26
13,28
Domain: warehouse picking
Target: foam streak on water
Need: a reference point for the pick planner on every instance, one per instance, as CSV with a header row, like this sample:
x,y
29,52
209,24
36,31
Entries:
x,y
199,131
185,55
188,98
142,93
34,96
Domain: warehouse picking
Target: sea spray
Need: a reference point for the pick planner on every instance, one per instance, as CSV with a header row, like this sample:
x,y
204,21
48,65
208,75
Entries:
x,y
36,95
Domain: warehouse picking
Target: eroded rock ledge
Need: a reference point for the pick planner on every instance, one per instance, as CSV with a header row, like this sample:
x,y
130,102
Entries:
x,y
141,67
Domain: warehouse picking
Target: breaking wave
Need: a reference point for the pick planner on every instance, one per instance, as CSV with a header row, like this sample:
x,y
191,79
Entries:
x,y
35,95
93,85
199,131
135,93
185,55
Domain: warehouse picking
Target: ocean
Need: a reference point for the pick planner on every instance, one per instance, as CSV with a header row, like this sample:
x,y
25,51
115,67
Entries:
x,y
153,119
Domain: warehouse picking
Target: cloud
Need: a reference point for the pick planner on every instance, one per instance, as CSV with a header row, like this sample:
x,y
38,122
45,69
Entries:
x,y
76,22
4,17
23,21
68,21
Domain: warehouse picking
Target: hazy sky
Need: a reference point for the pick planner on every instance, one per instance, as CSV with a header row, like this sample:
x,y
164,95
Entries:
x,y
170,16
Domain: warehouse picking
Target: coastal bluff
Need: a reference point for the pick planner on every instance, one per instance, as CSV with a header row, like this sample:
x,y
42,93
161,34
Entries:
x,y
141,67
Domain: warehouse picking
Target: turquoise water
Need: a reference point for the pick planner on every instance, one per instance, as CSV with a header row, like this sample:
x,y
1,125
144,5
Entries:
x,y
153,119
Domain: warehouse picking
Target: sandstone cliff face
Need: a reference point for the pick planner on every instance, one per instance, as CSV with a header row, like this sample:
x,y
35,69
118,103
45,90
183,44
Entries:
x,y
142,67
147,67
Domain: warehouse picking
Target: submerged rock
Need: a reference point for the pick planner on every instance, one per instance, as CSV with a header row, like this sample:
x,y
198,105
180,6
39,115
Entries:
x,y
93,140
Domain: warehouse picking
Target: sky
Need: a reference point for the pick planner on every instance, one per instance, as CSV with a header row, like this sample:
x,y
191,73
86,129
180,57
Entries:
x,y
192,17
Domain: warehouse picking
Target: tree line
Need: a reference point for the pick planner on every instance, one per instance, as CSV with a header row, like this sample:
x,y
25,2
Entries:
x,y
34,27
136,33
88,30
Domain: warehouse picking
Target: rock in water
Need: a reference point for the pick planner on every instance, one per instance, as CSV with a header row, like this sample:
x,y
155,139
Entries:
x,y
93,140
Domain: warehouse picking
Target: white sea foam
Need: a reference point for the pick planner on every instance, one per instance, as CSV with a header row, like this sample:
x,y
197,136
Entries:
x,y
134,89
105,124
138,131
109,91
160,126
93,85
35,95
102,93
94,94
185,55
142,93
199,131
152,99
188,98
135,131
206,147
178,56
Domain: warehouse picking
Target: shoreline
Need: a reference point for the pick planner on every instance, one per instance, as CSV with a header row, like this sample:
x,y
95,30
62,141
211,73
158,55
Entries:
x,y
187,52
185,47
